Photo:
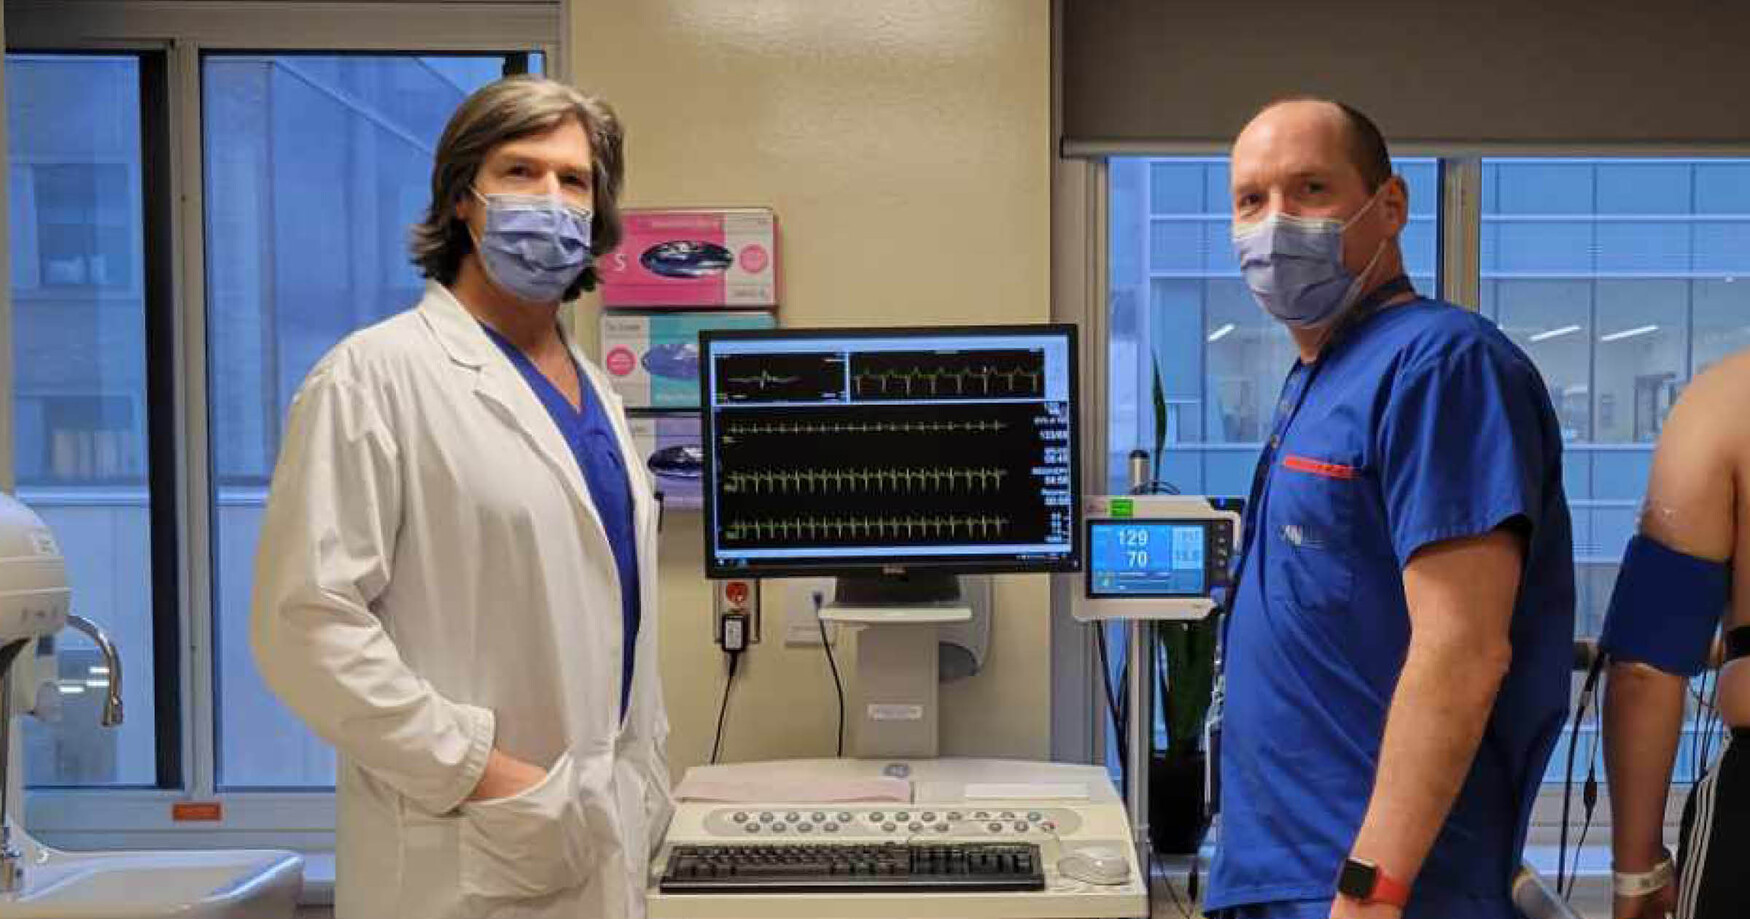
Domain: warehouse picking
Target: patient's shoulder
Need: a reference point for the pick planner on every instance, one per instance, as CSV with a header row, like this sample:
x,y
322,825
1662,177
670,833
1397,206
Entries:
x,y
1713,414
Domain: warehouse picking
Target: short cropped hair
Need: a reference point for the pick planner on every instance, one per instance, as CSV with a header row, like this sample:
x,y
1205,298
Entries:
x,y
1367,149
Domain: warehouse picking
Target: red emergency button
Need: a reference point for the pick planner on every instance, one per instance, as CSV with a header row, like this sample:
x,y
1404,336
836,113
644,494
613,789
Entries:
x,y
736,592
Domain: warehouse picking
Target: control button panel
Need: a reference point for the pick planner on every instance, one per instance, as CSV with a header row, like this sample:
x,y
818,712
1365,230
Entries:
x,y
899,825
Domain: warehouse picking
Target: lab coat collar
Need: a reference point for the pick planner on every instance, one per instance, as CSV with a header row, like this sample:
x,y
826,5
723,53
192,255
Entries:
x,y
499,384
458,331
466,343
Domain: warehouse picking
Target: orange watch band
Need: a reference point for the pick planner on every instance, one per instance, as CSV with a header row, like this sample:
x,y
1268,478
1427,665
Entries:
x,y
1390,890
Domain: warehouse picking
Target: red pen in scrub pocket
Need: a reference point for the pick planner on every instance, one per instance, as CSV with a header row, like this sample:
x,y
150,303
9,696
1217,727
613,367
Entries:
x,y
1318,467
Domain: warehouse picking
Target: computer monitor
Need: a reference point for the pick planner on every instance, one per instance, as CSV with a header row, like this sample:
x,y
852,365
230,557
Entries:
x,y
876,452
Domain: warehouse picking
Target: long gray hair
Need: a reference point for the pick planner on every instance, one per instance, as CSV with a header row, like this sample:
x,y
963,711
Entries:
x,y
506,110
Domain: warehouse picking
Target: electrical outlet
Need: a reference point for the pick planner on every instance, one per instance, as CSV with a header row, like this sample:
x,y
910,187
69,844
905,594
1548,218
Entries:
x,y
795,596
737,595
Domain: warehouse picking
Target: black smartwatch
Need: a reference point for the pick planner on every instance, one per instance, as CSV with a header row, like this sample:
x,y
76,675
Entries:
x,y
1363,881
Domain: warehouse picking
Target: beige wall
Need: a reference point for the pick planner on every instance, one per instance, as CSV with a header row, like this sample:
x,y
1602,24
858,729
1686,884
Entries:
x,y
905,145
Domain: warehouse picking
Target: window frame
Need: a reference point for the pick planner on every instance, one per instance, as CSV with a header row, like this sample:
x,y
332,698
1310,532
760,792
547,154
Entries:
x,y
179,36
1081,244
154,199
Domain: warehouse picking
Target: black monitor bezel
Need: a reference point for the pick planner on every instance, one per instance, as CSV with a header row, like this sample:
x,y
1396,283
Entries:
x,y
1068,562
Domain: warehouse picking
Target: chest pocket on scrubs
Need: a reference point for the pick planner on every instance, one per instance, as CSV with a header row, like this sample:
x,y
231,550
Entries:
x,y
1311,527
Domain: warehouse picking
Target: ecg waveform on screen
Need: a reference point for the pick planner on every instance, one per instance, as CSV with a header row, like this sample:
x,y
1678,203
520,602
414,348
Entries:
x,y
914,382
912,526
918,472
994,374
757,428
906,481
762,380
757,378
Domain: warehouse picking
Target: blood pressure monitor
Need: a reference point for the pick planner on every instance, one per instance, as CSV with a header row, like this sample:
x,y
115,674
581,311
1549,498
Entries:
x,y
1156,556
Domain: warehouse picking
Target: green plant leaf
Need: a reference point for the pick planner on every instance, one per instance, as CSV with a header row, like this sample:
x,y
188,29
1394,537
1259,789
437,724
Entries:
x,y
1189,648
1160,407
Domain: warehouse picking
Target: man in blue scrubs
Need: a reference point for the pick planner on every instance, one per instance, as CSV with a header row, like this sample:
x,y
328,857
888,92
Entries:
x,y
1398,650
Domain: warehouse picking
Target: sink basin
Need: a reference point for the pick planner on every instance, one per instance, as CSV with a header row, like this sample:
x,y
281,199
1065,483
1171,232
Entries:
x,y
240,884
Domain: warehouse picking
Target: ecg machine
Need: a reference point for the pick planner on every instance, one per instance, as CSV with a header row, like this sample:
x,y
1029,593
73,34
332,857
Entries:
x,y
1066,819
894,460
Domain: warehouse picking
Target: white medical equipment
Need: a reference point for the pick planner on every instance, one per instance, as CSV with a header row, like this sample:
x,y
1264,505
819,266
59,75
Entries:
x,y
1071,812
1152,558
1155,557
893,697
35,602
34,596
895,460
1536,899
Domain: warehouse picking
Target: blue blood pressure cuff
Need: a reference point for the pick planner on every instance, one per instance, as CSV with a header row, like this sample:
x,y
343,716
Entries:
x,y
1666,608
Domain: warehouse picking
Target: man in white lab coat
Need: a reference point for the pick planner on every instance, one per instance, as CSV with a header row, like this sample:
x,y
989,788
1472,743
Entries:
x,y
456,580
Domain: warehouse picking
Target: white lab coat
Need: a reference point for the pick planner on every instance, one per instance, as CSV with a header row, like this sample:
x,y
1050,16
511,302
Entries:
x,y
432,580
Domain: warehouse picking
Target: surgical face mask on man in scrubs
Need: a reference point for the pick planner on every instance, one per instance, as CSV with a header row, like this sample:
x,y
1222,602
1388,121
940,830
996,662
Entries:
x,y
1312,234
1294,265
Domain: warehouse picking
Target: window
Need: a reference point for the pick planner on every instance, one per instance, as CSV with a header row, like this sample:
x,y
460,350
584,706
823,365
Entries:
x,y
321,169
193,223
79,315
1621,279
1178,306
84,224
320,160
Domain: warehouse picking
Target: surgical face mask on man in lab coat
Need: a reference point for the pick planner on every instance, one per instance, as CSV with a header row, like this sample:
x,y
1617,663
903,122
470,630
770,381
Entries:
x,y
533,246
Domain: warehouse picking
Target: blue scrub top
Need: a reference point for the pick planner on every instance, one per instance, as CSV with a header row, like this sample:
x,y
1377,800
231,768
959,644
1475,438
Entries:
x,y
597,450
1420,423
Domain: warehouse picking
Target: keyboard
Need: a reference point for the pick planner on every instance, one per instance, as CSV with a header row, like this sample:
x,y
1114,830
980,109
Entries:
x,y
851,868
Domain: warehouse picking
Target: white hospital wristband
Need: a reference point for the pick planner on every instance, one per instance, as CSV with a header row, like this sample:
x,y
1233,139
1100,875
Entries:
x,y
1639,885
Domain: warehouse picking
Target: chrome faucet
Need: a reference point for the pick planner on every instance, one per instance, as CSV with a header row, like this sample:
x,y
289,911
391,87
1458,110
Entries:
x,y
112,703
11,859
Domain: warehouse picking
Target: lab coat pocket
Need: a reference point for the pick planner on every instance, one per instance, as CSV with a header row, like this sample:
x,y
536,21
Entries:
x,y
531,844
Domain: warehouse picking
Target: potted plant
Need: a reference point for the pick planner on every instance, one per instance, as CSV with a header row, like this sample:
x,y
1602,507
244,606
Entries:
x,y
1185,662
1185,667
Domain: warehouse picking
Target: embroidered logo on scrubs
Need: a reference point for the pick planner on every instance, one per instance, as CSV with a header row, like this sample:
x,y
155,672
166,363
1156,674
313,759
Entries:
x,y
1301,536
1318,467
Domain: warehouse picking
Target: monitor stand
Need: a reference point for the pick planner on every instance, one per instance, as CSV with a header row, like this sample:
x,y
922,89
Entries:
x,y
893,706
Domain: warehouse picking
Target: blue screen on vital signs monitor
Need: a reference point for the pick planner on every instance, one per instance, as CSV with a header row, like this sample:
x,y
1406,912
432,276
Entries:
x,y
1138,558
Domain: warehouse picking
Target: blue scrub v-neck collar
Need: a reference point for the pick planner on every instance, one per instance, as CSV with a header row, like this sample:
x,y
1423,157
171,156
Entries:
x,y
538,379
